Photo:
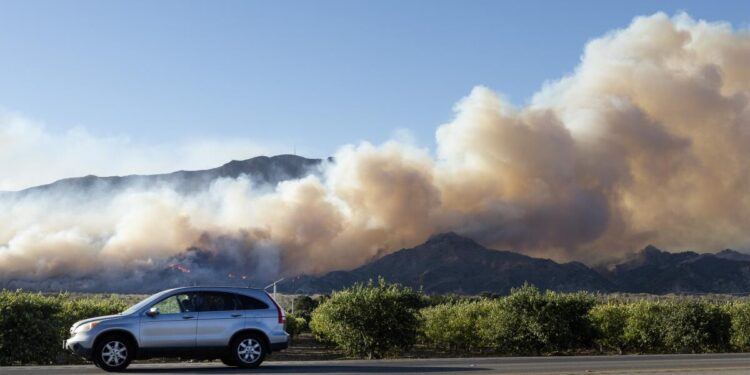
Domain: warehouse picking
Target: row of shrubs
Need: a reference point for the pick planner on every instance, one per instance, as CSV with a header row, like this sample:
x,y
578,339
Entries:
x,y
382,319
531,322
32,325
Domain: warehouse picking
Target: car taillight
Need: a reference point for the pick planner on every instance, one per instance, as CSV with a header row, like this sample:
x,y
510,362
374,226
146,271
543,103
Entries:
x,y
278,310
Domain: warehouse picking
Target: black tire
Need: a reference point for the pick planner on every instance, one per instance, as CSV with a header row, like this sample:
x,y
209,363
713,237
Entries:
x,y
248,351
114,352
227,360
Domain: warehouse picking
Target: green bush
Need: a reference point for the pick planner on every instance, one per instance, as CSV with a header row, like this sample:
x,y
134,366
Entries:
x,y
694,326
505,331
531,322
609,320
454,326
567,321
29,328
739,313
446,299
304,306
371,320
644,329
295,325
32,325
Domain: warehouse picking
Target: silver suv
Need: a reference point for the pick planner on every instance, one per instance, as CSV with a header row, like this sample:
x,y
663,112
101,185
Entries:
x,y
238,325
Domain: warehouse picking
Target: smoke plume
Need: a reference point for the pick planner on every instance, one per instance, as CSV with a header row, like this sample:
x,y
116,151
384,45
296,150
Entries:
x,y
32,154
647,141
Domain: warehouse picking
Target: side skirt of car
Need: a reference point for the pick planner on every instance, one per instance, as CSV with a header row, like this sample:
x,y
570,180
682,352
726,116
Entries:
x,y
209,352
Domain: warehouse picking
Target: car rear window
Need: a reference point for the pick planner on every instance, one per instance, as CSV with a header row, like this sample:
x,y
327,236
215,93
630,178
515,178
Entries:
x,y
224,301
250,303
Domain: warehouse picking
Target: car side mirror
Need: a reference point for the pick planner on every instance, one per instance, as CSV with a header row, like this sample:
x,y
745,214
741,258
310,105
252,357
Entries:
x,y
152,312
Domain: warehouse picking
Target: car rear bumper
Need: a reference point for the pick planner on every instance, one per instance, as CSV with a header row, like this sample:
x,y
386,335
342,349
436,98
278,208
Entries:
x,y
279,346
279,341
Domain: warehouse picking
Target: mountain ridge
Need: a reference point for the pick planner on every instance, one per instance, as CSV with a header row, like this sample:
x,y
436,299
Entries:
x,y
658,272
262,170
450,263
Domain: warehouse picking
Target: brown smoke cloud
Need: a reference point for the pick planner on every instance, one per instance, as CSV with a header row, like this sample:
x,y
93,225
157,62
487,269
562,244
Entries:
x,y
648,141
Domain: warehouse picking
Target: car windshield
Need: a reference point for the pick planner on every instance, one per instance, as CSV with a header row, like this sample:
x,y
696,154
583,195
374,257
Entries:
x,y
145,302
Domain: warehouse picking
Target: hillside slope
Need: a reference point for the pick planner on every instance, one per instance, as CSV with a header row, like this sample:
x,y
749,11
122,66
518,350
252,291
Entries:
x,y
655,271
449,263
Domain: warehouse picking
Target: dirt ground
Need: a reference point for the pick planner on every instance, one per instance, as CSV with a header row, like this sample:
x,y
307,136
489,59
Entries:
x,y
305,348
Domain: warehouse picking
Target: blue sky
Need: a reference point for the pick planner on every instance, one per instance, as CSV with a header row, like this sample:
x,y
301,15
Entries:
x,y
310,74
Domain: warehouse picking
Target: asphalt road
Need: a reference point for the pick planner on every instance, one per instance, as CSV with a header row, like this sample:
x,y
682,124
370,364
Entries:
x,y
725,364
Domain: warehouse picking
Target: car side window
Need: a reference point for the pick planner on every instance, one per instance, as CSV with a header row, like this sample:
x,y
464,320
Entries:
x,y
216,301
250,303
168,305
187,302
175,304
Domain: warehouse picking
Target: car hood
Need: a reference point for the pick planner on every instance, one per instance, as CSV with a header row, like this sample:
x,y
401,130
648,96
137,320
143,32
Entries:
x,y
104,317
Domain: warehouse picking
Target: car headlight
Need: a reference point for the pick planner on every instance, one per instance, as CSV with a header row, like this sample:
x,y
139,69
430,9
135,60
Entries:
x,y
86,327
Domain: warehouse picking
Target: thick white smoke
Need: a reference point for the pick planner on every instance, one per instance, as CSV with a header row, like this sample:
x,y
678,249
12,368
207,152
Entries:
x,y
31,154
646,142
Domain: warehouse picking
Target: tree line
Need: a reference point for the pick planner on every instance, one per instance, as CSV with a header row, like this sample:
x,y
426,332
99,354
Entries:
x,y
380,319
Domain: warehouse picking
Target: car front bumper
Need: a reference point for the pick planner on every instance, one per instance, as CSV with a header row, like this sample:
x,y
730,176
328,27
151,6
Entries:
x,y
79,345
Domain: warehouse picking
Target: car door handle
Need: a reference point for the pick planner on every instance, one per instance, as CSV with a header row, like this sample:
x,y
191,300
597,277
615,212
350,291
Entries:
x,y
236,315
187,317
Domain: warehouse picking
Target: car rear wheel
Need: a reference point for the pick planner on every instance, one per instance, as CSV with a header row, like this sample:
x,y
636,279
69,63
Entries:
x,y
113,353
248,351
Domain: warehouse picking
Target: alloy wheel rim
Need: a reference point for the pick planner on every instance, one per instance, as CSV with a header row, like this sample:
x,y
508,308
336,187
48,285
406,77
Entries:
x,y
249,350
114,353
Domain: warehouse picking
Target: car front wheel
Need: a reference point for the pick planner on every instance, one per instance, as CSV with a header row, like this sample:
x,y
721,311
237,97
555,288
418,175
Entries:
x,y
113,353
229,361
248,351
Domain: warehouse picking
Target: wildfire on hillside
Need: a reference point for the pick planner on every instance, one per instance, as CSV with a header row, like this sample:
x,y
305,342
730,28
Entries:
x,y
179,267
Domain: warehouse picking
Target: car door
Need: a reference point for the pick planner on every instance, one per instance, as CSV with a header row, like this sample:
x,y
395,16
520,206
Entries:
x,y
173,327
258,314
219,317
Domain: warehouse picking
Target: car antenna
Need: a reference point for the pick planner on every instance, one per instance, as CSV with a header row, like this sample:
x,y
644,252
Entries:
x,y
273,284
